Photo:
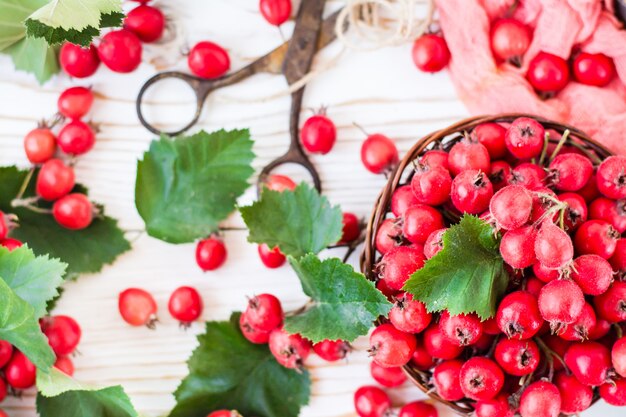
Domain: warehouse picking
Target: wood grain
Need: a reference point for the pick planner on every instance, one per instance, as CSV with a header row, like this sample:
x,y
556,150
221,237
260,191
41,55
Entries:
x,y
380,90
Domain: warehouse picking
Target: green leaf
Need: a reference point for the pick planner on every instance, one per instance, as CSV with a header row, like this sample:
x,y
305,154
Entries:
x,y
33,279
344,302
228,372
12,15
466,276
85,251
20,327
187,185
55,382
76,21
298,222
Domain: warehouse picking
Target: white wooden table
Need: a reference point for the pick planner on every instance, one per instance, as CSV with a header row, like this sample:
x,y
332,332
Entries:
x,y
381,90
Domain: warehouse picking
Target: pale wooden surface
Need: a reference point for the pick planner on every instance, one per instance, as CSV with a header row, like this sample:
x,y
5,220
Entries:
x,y
380,90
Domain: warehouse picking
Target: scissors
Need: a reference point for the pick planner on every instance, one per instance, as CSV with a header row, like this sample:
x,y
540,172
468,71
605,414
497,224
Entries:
x,y
293,59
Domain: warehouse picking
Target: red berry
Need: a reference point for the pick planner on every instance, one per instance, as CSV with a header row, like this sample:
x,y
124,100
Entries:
x,y
517,357
418,409
575,397
618,356
120,51
435,158
499,174
76,138
276,12
387,377
570,171
379,154
208,60
496,407
63,334
579,330
271,258
548,73
73,211
332,350
561,302
318,134
471,192
55,179
6,350
524,138
590,191
511,207
431,185
510,39
224,413
438,346
611,177
398,264
540,399
596,237
593,69
420,221
517,247
75,102
210,253
65,365
553,246
576,211
39,145
601,329
137,307
185,305
590,362
481,378
253,335
264,312
447,380
610,211
20,372
421,358
529,175
77,61
468,155
351,228
290,350
391,347
518,315
618,260
279,183
463,329
491,136
388,236
430,53
545,274
434,243
370,401
402,199
611,305
409,315
614,392
10,244
593,274
146,22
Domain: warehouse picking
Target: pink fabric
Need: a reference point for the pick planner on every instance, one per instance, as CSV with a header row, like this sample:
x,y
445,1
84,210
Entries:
x,y
560,26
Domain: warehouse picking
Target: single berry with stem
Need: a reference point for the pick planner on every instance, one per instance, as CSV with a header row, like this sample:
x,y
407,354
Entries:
x,y
76,138
435,158
570,171
390,346
264,312
387,377
290,350
481,378
518,315
510,39
185,305
517,357
138,307
434,243
75,102
575,396
499,173
271,258
548,73
40,145
462,329
318,134
208,60
409,315
596,237
611,177
55,179
431,185
491,136
73,211
471,191
371,401
430,53
210,253
63,334
388,236
529,175
253,335
379,154
78,61
590,362
524,138
332,350
560,302
541,398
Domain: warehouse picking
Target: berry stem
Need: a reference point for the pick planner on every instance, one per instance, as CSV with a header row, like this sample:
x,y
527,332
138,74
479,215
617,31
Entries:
x,y
550,354
544,151
618,330
27,203
591,155
24,185
560,144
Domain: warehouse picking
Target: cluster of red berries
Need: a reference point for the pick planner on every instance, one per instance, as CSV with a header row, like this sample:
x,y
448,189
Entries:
x,y
55,178
138,307
560,226
120,50
211,252
262,323
19,373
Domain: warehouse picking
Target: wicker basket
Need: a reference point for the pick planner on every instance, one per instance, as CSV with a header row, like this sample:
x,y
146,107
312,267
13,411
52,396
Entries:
x,y
444,139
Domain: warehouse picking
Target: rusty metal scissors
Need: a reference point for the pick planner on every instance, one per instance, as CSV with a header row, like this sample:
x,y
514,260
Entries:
x,y
293,59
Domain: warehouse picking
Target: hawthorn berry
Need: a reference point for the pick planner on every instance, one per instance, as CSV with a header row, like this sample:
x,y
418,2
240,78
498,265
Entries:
x,y
614,392
575,396
332,350
370,401
462,329
576,212
618,260
6,350
618,356
351,228
541,398
40,145
517,247
437,344
146,22
210,253
510,39
517,357
435,158
391,347
208,60
592,273
570,171
388,236
290,350
65,365
434,243
55,179
491,136
447,380
63,334
20,373
418,409
76,138
596,237
224,413
10,243
419,222
593,69
518,315
387,377
561,302
271,258
524,138
611,211
511,207
611,177
264,312
379,154
495,407
611,305
78,61
590,362
579,330
253,335
548,73
398,264
318,134
276,182
530,175
185,305
481,378
499,173
409,315
75,102
553,246
401,199
471,191
73,211
431,185
421,358
430,53
276,12
137,307
120,51
468,155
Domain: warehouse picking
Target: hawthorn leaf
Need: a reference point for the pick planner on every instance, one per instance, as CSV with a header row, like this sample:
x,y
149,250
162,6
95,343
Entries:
x,y
12,15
